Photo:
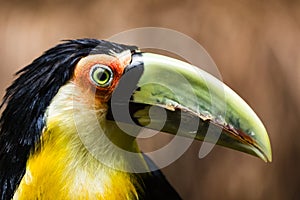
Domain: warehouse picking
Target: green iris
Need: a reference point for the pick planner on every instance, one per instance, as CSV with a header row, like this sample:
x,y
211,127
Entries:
x,y
101,75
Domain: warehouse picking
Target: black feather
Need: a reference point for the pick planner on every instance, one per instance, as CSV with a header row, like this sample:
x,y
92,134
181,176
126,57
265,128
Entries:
x,y
27,99
155,185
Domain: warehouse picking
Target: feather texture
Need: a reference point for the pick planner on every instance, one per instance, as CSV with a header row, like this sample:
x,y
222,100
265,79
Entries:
x,y
27,99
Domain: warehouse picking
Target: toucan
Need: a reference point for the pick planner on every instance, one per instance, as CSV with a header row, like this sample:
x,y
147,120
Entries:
x,y
71,119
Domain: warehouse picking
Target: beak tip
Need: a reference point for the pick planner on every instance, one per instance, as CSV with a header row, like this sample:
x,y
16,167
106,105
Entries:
x,y
268,153
264,148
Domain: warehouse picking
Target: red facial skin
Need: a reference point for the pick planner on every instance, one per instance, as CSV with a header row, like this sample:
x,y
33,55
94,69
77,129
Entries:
x,y
82,78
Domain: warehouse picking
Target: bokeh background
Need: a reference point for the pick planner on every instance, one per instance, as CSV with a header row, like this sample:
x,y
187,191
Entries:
x,y
255,44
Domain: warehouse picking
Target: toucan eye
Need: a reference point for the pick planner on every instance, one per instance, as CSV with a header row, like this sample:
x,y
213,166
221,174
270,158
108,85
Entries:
x,y
101,75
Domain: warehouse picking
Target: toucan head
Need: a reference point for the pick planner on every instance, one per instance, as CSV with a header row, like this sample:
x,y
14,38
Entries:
x,y
172,96
118,84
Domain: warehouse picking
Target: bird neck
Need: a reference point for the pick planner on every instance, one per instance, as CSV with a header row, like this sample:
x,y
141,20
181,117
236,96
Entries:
x,y
79,158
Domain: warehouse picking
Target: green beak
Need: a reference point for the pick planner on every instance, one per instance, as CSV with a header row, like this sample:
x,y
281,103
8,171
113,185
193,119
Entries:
x,y
175,97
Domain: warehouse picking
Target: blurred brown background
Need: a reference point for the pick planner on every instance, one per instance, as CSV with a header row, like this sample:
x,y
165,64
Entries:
x,y
255,44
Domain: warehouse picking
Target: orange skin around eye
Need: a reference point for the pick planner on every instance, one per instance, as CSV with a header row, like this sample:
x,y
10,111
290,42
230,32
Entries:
x,y
81,78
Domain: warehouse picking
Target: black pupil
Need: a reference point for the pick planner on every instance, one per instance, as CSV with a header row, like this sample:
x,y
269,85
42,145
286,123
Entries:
x,y
103,76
